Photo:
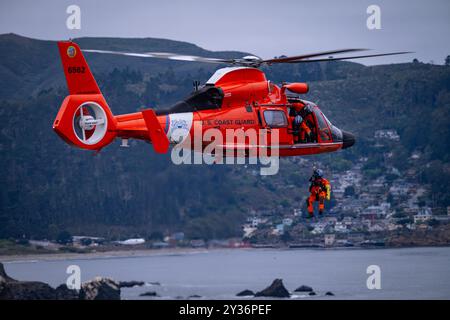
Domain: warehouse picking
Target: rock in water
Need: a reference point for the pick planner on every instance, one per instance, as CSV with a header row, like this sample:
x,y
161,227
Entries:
x,y
26,290
303,288
130,284
100,289
276,289
245,293
11,289
3,276
329,293
97,289
312,293
64,293
149,294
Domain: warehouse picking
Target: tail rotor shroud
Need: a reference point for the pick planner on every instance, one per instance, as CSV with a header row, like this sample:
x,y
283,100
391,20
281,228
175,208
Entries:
x,y
90,123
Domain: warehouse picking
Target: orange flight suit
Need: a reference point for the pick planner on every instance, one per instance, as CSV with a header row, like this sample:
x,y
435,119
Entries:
x,y
305,130
320,190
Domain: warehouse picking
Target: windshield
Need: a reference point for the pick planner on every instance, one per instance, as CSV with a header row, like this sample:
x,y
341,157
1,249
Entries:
x,y
336,133
322,127
327,131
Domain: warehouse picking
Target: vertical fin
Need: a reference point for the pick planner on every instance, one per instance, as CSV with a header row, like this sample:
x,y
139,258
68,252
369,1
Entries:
x,y
78,75
155,131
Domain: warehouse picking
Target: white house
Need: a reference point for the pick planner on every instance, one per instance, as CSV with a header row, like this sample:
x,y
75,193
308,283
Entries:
x,y
318,228
390,134
423,215
340,227
287,222
329,240
255,221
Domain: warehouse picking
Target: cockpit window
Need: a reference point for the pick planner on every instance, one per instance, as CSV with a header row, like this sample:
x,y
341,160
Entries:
x,y
275,118
326,119
335,132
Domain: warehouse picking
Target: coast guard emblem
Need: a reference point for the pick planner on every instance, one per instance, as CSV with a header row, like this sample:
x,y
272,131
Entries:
x,y
71,51
179,129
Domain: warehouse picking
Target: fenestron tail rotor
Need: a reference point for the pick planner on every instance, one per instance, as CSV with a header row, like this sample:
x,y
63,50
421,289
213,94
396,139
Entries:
x,y
90,123
253,61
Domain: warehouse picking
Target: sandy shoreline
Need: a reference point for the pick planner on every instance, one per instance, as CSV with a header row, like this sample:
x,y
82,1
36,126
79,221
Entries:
x,y
165,251
103,254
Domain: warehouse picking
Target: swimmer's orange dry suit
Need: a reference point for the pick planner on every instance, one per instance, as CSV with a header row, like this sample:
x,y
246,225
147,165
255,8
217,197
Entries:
x,y
320,190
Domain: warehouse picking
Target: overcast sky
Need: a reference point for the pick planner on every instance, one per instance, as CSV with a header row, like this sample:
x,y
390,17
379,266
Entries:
x,y
264,28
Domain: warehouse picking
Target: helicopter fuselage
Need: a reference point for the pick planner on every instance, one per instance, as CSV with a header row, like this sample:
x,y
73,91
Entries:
x,y
248,99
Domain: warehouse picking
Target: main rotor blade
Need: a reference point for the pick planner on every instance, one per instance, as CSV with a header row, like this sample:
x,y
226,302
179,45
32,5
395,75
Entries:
x,y
349,58
165,55
310,55
252,63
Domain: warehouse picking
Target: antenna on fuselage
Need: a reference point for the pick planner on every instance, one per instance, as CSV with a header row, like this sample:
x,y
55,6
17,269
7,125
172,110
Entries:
x,y
196,84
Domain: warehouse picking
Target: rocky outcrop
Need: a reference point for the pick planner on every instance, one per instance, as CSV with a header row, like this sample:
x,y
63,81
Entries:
x,y
64,293
3,276
329,293
245,293
100,289
26,290
97,289
131,284
11,289
303,288
276,289
312,293
439,236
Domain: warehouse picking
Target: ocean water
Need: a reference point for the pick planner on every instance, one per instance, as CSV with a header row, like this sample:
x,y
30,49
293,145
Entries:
x,y
412,273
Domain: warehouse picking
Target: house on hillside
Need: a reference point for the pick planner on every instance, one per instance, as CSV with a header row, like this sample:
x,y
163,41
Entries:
x,y
329,240
390,134
423,215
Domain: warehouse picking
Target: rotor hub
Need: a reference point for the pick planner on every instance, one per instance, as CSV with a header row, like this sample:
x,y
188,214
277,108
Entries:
x,y
87,122
90,123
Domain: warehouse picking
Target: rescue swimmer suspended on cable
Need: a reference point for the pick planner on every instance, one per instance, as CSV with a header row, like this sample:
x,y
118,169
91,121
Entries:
x,y
320,189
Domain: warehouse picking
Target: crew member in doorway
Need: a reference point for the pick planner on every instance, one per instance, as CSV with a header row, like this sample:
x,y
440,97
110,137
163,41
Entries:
x,y
302,132
320,190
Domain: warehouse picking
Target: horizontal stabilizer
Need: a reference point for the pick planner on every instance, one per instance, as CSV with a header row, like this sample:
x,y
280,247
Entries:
x,y
155,131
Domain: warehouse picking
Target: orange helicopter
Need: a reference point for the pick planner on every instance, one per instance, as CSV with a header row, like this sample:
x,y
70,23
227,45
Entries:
x,y
234,98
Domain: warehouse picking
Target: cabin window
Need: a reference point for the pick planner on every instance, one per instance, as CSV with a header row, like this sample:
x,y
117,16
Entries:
x,y
275,118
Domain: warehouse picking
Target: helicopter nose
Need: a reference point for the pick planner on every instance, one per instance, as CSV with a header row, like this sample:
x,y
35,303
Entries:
x,y
348,139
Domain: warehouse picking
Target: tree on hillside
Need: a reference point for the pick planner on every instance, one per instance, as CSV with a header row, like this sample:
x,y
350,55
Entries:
x,y
64,237
349,191
447,61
